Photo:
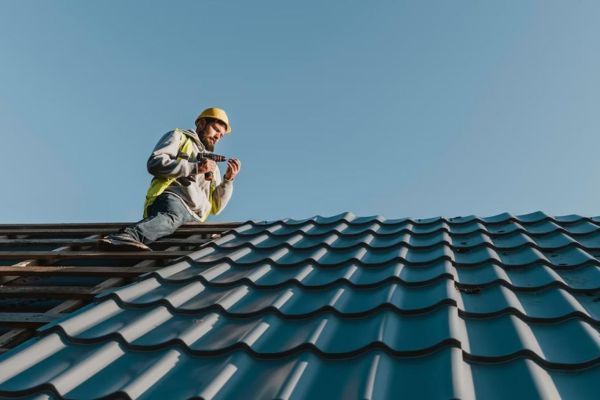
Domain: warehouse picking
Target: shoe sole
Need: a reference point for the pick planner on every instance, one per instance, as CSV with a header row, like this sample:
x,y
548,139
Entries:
x,y
108,245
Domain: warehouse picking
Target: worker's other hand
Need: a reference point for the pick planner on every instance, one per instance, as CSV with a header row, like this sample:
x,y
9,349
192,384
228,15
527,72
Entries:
x,y
207,165
233,168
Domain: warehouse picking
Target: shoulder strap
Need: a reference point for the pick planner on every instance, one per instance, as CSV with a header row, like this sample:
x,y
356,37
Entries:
x,y
185,150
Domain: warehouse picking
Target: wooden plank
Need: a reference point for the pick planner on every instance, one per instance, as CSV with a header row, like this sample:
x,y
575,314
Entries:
x,y
57,292
14,337
21,331
76,271
118,225
26,263
71,305
186,241
122,255
87,231
93,242
26,320
45,242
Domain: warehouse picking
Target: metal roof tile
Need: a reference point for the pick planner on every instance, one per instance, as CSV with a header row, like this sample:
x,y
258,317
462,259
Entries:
x,y
568,218
532,217
172,373
581,228
495,219
557,240
341,307
207,333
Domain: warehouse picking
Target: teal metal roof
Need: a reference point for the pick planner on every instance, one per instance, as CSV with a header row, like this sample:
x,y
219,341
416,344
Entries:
x,y
341,307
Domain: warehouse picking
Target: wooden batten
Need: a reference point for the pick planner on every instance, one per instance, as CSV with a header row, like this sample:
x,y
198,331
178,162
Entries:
x,y
37,275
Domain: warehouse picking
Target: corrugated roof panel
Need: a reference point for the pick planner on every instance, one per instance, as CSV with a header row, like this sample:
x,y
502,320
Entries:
x,y
342,307
401,334
173,373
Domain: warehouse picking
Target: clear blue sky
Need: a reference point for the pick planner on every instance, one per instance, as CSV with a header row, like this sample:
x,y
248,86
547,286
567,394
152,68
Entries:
x,y
397,108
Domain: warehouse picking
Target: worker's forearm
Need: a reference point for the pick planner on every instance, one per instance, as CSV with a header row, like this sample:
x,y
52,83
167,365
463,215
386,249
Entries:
x,y
163,166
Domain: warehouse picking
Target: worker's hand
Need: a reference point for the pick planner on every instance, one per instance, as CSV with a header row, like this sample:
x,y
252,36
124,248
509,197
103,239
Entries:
x,y
233,168
207,165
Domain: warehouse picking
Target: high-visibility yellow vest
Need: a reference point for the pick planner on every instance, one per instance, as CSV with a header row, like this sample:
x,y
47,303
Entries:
x,y
158,185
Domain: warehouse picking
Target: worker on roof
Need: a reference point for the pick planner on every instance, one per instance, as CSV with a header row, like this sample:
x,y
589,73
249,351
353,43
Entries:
x,y
187,185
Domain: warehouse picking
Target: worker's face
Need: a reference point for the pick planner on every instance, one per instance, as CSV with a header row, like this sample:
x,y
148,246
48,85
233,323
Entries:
x,y
210,134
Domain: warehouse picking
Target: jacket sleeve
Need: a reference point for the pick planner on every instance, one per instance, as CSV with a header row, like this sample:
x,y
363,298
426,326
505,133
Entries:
x,y
221,194
163,161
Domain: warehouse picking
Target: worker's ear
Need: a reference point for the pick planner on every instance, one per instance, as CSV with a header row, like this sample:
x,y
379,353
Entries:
x,y
201,125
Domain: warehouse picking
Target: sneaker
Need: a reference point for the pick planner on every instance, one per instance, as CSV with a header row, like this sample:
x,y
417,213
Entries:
x,y
122,241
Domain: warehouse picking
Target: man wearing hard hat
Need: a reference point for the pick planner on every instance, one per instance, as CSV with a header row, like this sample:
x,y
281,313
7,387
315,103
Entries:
x,y
187,184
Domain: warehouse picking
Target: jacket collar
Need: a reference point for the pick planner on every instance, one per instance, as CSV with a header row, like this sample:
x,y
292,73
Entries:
x,y
194,136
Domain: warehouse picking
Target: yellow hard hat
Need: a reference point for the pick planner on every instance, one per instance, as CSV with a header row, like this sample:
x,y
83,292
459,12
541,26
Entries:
x,y
217,114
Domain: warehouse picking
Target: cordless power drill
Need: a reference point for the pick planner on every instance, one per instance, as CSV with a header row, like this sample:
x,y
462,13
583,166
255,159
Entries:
x,y
211,156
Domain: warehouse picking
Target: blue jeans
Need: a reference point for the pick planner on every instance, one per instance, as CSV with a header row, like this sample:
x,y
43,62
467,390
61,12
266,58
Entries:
x,y
165,215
